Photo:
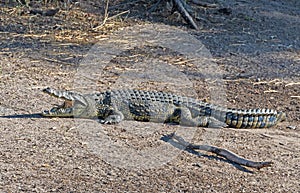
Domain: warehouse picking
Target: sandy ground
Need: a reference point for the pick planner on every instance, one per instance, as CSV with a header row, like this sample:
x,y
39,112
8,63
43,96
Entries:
x,y
254,44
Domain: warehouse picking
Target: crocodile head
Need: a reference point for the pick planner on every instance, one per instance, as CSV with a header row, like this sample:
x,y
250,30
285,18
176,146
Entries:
x,y
75,105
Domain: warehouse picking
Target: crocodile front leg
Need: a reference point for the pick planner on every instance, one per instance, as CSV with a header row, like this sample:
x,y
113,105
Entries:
x,y
114,118
109,114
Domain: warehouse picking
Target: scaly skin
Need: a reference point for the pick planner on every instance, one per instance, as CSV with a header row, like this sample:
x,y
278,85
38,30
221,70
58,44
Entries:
x,y
117,105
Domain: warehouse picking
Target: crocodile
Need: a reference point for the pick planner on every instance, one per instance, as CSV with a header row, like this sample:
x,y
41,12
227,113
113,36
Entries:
x,y
114,106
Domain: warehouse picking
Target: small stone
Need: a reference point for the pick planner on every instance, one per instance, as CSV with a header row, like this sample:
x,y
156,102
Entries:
x,y
291,127
197,165
52,128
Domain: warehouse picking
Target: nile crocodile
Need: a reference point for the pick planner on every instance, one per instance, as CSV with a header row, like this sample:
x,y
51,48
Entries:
x,y
116,105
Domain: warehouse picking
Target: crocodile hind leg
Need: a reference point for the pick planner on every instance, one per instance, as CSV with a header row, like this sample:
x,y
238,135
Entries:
x,y
184,117
215,123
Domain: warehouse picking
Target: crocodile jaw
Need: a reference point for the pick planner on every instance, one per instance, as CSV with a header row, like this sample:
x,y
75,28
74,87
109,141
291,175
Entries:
x,y
74,104
64,110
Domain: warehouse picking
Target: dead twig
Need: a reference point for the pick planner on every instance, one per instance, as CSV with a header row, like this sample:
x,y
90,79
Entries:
x,y
221,152
117,15
295,97
105,16
293,83
202,4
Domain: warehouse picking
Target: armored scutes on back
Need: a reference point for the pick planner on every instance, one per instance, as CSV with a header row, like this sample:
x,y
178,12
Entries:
x,y
117,105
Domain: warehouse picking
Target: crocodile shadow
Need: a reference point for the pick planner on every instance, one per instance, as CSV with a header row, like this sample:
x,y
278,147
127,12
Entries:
x,y
165,138
23,116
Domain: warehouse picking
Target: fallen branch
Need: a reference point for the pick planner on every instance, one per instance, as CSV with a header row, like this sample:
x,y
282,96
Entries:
x,y
221,152
185,14
48,12
181,7
153,7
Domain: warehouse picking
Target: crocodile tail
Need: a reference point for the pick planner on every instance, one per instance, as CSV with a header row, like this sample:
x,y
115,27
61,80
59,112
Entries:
x,y
281,116
253,118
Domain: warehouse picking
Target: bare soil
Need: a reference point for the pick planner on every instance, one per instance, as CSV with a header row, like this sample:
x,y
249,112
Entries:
x,y
256,44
